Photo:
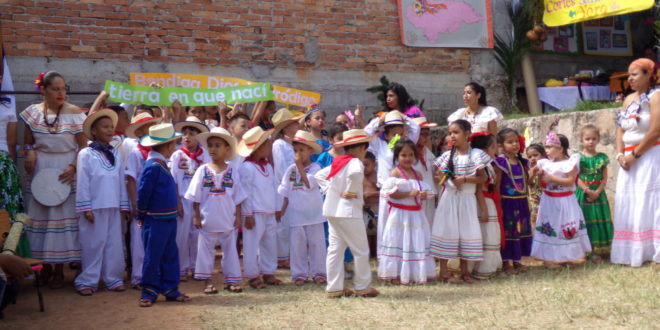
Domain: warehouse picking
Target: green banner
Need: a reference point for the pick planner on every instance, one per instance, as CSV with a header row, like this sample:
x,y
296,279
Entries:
x,y
165,96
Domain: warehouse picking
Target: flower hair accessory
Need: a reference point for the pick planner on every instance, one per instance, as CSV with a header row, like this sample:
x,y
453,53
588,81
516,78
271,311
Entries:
x,y
40,79
483,133
522,141
311,109
551,138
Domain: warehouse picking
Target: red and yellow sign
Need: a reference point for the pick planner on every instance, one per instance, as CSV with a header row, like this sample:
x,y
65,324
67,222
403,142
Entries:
x,y
563,12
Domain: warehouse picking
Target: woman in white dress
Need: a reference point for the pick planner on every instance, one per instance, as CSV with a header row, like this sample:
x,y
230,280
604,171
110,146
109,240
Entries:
x,y
637,199
477,112
53,135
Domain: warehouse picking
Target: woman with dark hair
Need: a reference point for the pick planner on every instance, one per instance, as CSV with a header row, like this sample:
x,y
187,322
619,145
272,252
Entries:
x,y
397,98
636,211
477,112
53,135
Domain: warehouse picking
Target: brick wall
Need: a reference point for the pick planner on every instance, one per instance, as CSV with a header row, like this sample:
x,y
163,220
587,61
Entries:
x,y
297,34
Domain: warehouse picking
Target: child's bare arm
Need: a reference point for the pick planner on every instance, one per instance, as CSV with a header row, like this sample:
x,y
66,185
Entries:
x,y
481,201
197,217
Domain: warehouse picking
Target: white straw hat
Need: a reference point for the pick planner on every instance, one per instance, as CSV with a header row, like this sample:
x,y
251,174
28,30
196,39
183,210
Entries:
x,y
282,118
160,134
308,139
220,133
354,136
421,121
252,139
191,121
89,121
394,117
139,121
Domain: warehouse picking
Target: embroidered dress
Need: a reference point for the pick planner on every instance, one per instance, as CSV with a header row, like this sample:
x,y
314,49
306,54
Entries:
x,y
53,231
456,232
636,212
515,209
596,213
479,121
404,252
561,233
490,233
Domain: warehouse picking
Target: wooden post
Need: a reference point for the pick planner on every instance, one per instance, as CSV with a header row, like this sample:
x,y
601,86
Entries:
x,y
530,85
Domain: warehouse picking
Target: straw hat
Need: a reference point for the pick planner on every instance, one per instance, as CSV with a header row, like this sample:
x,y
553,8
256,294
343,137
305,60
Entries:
x,y
252,139
354,136
282,118
394,118
421,121
191,121
139,121
89,121
308,139
159,134
220,133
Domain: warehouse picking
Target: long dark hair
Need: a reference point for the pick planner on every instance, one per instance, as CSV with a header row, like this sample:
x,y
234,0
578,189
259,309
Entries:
x,y
563,140
501,135
539,148
402,144
405,101
484,142
465,127
479,90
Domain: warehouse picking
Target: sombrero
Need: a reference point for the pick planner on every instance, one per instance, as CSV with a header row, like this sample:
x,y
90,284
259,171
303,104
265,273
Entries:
x,y
191,121
252,139
89,121
354,136
139,121
159,134
308,139
220,133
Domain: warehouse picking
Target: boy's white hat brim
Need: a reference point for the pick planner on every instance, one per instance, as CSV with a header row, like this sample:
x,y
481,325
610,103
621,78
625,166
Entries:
x,y
307,139
160,134
47,188
190,122
89,121
421,121
244,150
359,137
222,133
136,124
281,124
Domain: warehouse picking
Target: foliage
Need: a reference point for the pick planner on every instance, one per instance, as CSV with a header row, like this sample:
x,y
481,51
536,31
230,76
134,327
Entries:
x,y
379,90
587,105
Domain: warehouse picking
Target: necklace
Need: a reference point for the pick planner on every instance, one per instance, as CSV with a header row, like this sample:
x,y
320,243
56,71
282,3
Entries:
x,y
520,190
52,127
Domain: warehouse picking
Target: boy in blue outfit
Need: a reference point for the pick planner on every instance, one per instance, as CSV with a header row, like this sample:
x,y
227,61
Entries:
x,y
157,206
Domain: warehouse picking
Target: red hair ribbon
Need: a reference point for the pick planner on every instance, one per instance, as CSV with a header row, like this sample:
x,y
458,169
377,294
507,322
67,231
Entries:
x,y
522,141
40,79
483,133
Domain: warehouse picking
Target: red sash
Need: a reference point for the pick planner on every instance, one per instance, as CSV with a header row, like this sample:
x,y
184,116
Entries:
x,y
558,194
405,207
338,164
194,156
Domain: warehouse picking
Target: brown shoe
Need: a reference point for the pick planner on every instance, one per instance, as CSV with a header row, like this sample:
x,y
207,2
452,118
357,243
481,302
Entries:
x,y
343,293
367,293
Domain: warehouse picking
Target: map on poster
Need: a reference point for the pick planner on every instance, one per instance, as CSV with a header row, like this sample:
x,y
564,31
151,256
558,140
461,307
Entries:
x,y
446,23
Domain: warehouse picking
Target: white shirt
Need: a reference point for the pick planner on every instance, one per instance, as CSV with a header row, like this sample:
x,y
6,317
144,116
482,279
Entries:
x,y
349,179
261,188
381,149
7,115
183,168
99,184
479,121
217,195
305,204
282,157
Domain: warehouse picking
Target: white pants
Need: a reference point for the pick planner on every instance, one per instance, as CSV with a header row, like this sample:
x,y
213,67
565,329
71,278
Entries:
x,y
231,267
308,252
260,246
284,237
102,250
137,253
183,235
343,233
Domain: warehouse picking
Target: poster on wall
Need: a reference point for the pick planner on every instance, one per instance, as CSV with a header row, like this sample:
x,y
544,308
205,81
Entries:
x,y
446,23
607,36
561,40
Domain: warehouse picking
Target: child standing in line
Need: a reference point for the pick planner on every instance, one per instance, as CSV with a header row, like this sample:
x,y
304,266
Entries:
x,y
371,200
260,210
490,212
304,204
561,233
216,193
512,185
138,128
100,221
314,123
456,232
157,206
286,125
425,164
184,163
535,152
404,256
342,182
591,195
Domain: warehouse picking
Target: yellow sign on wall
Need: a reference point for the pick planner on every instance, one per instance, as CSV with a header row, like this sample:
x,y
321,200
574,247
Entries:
x,y
292,96
563,12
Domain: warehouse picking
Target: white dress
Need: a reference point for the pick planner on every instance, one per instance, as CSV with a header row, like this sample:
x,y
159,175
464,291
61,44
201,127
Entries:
x,y
456,232
561,232
491,235
637,199
426,171
404,251
53,231
479,121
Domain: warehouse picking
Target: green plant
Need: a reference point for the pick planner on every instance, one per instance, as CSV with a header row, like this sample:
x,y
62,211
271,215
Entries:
x,y
379,90
510,49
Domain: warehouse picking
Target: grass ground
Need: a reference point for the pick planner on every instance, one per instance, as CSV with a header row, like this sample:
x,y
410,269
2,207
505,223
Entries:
x,y
592,296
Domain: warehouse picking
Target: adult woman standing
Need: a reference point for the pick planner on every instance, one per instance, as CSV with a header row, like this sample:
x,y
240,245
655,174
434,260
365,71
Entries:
x,y
397,98
53,135
636,211
482,117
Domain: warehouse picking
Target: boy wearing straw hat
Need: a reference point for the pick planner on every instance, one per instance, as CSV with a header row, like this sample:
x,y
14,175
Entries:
x,y
217,193
184,163
261,209
157,207
303,203
286,125
138,128
100,165
343,181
